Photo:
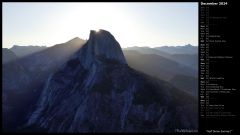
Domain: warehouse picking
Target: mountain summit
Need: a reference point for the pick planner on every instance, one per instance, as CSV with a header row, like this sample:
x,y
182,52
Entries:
x,y
96,91
101,47
106,46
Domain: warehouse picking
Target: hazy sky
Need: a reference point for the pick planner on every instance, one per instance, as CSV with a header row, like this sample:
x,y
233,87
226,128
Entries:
x,y
132,24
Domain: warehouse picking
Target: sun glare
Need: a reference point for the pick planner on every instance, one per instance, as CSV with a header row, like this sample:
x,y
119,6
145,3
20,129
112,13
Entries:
x,y
99,16
97,30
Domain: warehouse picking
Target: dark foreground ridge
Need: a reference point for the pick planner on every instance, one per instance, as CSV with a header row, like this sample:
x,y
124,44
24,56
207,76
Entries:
x,y
96,91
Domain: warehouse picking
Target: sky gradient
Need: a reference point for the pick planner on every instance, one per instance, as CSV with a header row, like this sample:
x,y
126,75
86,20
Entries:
x,y
132,24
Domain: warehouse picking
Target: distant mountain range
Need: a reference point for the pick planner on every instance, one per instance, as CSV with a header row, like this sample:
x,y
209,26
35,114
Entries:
x,y
94,86
156,65
188,84
148,50
21,51
8,55
187,49
186,55
169,63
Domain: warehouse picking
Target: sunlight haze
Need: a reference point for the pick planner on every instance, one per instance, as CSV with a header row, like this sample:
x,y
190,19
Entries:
x,y
132,24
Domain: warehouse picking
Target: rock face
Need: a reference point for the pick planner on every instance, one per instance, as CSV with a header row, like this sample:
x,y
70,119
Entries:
x,y
105,46
96,91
